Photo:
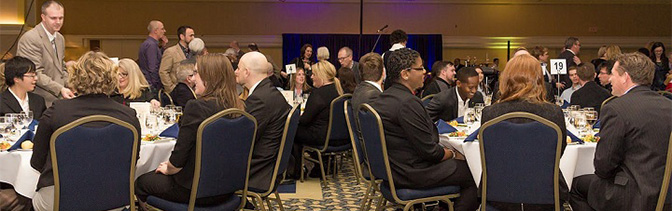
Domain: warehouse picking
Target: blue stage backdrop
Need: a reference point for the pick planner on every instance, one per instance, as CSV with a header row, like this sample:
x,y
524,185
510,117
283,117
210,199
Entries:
x,y
430,46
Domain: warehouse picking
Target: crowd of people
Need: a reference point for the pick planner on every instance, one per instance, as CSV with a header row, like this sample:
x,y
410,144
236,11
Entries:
x,y
629,159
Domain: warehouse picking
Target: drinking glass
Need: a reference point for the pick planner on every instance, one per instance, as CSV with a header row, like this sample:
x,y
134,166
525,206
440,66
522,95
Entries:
x,y
5,127
580,122
591,118
478,109
177,112
29,116
588,109
469,117
151,123
488,100
559,101
17,120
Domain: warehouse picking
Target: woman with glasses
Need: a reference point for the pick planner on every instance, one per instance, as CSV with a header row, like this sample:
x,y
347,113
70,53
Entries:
x,y
20,77
184,90
133,86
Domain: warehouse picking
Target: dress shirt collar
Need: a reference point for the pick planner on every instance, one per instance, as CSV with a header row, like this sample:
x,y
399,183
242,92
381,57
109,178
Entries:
x,y
25,106
461,104
397,46
570,50
185,50
254,87
375,85
51,36
632,87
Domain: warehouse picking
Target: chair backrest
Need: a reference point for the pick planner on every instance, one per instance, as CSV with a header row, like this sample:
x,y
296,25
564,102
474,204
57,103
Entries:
x,y
607,100
666,94
337,128
353,130
224,144
164,98
92,157
665,191
286,143
425,100
520,160
375,147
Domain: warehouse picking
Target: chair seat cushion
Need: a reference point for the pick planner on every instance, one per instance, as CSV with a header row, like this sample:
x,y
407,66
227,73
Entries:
x,y
330,148
411,194
231,203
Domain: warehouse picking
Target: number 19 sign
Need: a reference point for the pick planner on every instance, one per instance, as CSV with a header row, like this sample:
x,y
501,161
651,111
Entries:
x,y
558,66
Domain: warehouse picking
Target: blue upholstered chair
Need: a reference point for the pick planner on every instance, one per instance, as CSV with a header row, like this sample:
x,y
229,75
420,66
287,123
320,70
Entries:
x,y
336,130
520,160
284,151
375,147
359,157
425,100
224,145
665,192
91,158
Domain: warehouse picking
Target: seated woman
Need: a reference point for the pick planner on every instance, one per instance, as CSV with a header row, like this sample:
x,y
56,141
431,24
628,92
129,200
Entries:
x,y
416,158
347,78
298,83
173,178
93,78
522,89
184,90
20,77
133,86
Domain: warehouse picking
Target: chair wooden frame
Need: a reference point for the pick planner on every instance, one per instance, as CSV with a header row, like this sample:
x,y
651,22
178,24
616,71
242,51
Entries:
x,y
664,93
321,151
261,197
666,177
371,184
199,151
81,121
161,92
407,204
428,97
558,151
607,100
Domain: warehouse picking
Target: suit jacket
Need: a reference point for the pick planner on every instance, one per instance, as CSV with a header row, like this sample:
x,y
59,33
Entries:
x,y
356,72
630,157
568,56
548,111
270,109
364,93
35,45
412,140
315,118
182,94
436,86
168,70
10,105
63,112
184,152
444,105
590,95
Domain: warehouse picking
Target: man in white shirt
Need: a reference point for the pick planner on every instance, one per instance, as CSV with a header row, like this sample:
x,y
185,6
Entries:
x,y
576,84
398,38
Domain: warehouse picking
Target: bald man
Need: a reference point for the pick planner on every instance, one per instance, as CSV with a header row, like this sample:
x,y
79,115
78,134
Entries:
x,y
149,56
269,107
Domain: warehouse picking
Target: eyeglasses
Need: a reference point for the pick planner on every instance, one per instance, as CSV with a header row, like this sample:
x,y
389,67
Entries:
x,y
30,75
417,68
342,58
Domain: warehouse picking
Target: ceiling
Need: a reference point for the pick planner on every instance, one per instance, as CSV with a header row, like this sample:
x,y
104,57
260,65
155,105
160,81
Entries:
x,y
492,2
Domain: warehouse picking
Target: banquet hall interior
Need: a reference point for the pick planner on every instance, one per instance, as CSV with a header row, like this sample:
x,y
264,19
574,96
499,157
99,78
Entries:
x,y
474,33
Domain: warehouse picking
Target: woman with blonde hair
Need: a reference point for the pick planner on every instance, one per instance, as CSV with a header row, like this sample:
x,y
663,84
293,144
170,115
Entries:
x,y
522,90
298,83
322,54
216,86
132,85
313,123
93,78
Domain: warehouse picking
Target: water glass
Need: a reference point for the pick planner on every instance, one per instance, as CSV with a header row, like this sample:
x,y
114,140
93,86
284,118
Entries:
x,y
591,118
5,127
559,101
479,109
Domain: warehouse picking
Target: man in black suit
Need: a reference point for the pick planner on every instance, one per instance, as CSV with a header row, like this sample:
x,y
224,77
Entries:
x,y
270,108
373,73
572,48
590,94
605,74
443,74
453,103
21,78
630,157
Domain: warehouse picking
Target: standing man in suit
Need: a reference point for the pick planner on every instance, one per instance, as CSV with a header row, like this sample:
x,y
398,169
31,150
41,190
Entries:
x,y
631,155
373,74
21,78
173,56
149,56
590,94
454,102
444,75
269,107
345,58
45,47
572,48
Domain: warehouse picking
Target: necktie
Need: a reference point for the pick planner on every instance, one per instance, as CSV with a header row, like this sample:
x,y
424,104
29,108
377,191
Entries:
x,y
53,43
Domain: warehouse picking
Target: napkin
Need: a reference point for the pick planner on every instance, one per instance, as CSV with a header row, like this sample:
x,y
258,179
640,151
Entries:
x,y
460,119
32,125
472,136
574,137
565,104
28,135
171,131
444,127
597,124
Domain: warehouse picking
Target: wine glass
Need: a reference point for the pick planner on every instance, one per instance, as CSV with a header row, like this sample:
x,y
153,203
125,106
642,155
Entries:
x,y
580,122
591,118
177,112
5,127
469,117
29,116
478,109
151,123
559,101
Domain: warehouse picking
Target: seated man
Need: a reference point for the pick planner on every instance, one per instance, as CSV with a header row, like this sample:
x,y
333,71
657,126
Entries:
x,y
631,155
443,76
371,66
576,85
269,107
184,91
21,77
590,94
454,102
605,74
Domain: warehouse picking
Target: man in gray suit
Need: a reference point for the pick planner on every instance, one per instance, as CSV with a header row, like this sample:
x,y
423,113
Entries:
x,y
345,58
45,46
630,157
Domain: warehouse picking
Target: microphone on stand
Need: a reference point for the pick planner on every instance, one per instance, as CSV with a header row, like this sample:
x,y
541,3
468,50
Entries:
x,y
379,34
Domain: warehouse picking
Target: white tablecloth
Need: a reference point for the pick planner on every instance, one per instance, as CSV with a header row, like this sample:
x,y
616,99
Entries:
x,y
576,161
15,166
